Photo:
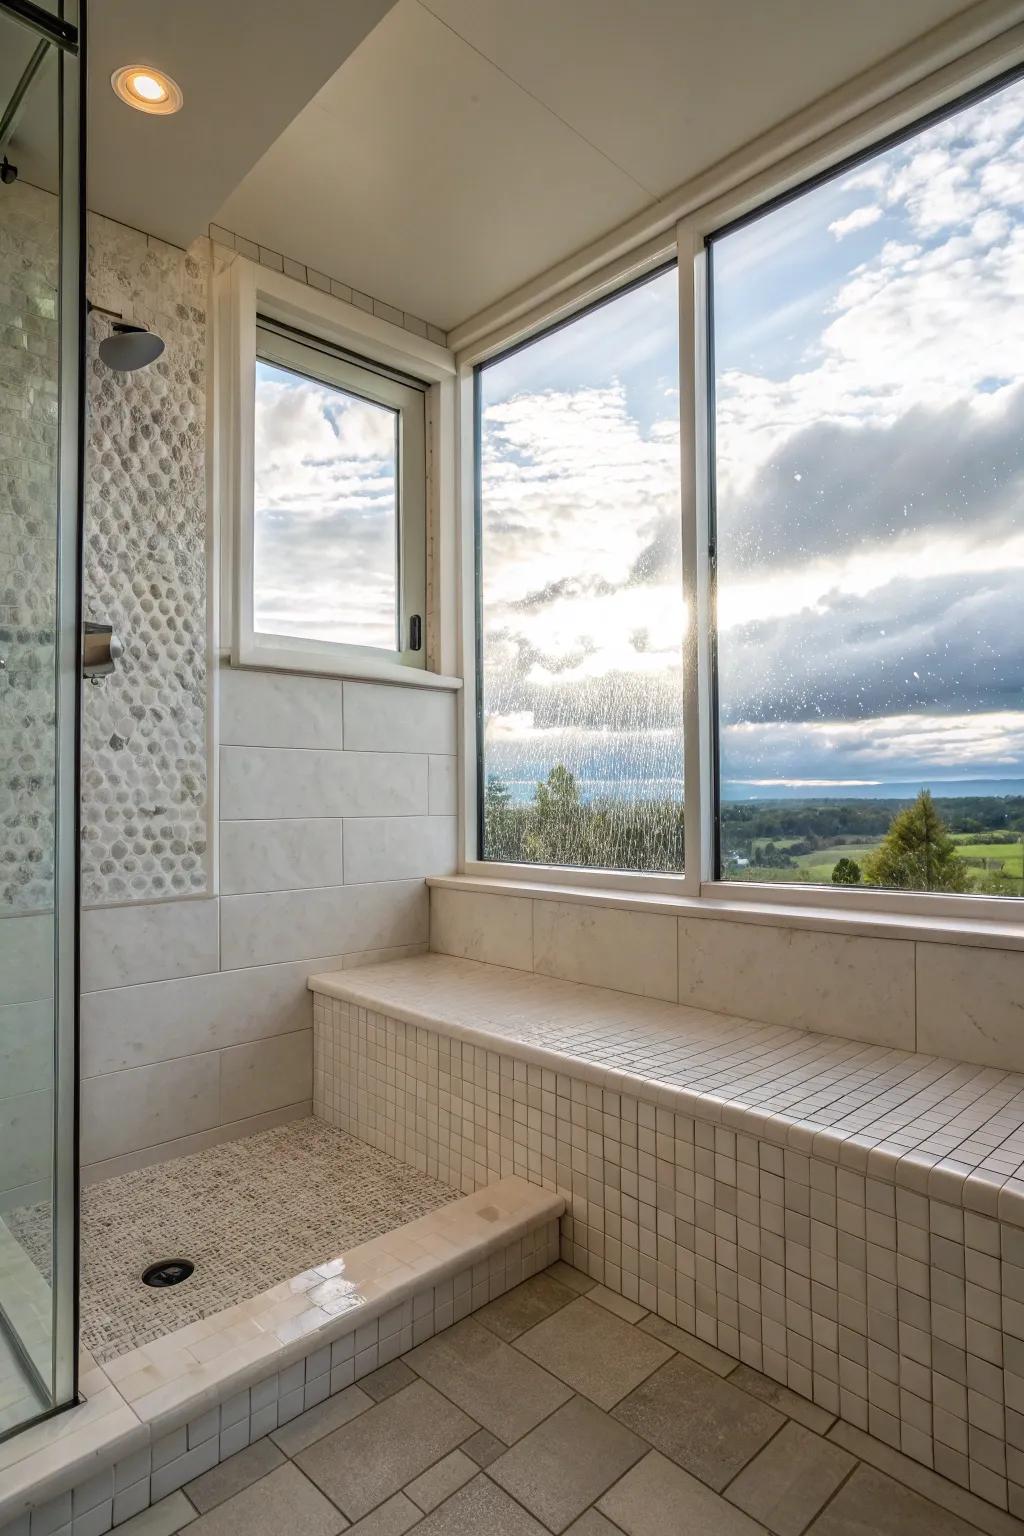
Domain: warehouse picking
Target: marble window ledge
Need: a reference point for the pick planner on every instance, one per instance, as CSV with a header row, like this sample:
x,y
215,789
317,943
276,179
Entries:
x,y
948,1130
149,1395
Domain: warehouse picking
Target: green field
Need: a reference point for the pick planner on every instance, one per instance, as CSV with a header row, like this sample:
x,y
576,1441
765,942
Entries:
x,y
983,859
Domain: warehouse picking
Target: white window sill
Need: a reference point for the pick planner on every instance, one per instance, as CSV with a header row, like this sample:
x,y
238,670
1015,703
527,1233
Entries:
x,y
979,933
362,670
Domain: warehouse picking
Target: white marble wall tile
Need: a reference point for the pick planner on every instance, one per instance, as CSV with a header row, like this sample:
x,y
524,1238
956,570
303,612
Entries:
x,y
606,947
279,855
265,783
834,984
970,1004
443,786
278,709
497,930
125,945
136,1026
268,1074
26,1048
144,1106
385,719
399,847
26,957
26,1140
298,925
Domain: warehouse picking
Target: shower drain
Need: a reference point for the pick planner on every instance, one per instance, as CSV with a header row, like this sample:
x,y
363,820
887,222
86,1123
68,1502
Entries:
x,y
167,1272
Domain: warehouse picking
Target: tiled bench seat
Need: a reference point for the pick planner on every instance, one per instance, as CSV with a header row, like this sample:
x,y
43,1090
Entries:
x,y
847,1218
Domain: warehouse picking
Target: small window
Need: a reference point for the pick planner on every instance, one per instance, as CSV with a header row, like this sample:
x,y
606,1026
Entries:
x,y
868,422
581,613
338,524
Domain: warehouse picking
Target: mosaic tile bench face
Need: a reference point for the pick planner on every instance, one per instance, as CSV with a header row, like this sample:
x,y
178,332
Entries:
x,y
903,1314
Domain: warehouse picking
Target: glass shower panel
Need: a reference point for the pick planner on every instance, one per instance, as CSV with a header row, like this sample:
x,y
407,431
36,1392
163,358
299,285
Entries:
x,y
39,455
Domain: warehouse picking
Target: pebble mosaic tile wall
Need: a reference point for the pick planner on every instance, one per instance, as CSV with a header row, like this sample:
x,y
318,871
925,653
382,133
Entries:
x,y
902,1314
144,770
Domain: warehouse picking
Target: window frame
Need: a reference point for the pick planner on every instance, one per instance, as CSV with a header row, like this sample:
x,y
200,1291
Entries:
x,y
833,140
245,294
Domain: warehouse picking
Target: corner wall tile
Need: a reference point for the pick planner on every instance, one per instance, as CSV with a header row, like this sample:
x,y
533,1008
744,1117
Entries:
x,y
399,847
265,1075
299,925
970,1004
380,718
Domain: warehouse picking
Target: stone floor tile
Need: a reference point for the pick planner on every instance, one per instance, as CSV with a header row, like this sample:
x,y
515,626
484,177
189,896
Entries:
x,y
575,1279
596,1353
788,1482
524,1306
659,1499
567,1462
870,1501
376,1454
329,1415
387,1380
491,1380
393,1518
629,1311
483,1447
480,1509
777,1396
593,1523
439,1482
233,1475
282,1501
688,1344
701,1422
161,1519
975,1511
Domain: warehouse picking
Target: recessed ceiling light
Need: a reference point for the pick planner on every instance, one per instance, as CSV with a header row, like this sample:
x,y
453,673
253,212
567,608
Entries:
x,y
146,89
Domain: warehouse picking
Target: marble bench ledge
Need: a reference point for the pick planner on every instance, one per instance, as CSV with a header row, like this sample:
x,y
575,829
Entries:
x,y
951,1131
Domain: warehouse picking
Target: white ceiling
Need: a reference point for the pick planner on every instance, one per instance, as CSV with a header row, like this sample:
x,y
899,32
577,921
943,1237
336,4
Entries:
x,y
246,67
468,145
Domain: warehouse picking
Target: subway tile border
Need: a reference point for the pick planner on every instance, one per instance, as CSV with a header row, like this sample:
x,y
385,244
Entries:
x,y
325,284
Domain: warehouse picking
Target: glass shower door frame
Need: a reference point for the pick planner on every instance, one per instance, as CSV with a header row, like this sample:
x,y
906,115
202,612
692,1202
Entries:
x,y
64,29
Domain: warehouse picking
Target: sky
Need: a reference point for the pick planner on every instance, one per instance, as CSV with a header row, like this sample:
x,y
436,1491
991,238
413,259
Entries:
x,y
325,546
869,350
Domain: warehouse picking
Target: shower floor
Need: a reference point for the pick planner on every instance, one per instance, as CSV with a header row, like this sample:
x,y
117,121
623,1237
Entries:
x,y
248,1214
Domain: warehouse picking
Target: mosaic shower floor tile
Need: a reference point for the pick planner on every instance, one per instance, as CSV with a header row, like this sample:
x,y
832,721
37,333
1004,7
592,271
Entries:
x,y
247,1213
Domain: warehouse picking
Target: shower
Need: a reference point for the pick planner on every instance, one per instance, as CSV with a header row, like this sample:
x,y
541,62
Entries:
x,y
128,347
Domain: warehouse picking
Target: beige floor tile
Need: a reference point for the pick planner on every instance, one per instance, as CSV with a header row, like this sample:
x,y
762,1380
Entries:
x,y
870,1501
596,1353
788,1482
231,1476
701,1422
386,1381
629,1311
441,1481
567,1462
777,1396
575,1279
688,1344
593,1523
366,1461
285,1501
503,1391
659,1499
161,1519
317,1422
480,1509
484,1447
524,1307
393,1518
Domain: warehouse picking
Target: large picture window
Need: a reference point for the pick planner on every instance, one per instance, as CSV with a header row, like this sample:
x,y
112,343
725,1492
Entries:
x,y
868,415
581,617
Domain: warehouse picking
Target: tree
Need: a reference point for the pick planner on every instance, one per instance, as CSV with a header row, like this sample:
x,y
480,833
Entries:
x,y
917,853
846,872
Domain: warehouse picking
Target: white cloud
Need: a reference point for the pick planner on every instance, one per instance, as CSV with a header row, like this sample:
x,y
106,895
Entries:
x,y
860,218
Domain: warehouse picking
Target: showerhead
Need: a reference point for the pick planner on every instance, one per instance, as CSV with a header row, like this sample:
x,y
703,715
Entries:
x,y
129,347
